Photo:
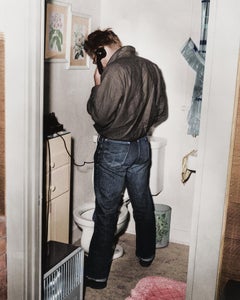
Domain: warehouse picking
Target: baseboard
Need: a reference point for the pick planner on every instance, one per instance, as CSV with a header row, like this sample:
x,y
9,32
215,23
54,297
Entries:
x,y
179,236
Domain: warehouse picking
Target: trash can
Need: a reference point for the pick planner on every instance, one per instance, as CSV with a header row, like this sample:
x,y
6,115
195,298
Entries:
x,y
163,220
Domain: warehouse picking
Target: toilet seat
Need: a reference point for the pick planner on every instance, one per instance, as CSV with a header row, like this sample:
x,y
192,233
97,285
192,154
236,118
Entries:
x,y
88,214
84,214
83,217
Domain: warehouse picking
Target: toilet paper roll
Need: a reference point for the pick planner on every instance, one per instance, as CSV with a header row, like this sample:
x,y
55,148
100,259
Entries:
x,y
188,165
192,161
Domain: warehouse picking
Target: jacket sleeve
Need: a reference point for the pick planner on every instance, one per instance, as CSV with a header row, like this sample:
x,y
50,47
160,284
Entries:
x,y
161,102
106,97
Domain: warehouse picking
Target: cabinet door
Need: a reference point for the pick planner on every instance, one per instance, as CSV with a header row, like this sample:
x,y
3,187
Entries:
x,y
60,181
59,155
58,187
59,219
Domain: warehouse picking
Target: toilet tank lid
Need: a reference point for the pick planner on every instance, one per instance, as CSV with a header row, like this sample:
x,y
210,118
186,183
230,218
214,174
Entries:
x,y
157,142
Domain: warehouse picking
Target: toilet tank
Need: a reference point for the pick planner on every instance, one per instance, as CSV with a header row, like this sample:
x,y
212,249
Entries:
x,y
158,145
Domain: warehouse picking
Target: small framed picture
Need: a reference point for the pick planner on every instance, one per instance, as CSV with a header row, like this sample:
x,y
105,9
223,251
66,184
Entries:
x,y
57,22
80,28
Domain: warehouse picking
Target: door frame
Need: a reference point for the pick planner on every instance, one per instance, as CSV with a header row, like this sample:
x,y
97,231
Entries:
x,y
24,139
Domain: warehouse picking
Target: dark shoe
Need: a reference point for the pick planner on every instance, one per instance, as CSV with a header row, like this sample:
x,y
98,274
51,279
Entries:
x,y
95,284
145,262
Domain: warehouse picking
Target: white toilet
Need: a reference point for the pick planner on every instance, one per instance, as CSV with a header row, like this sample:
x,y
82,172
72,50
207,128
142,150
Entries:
x,y
83,215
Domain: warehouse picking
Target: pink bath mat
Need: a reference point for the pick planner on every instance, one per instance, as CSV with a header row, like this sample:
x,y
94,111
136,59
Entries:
x,y
158,288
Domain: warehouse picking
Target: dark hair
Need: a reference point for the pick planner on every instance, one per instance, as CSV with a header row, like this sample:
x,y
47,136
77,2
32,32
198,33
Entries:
x,y
100,38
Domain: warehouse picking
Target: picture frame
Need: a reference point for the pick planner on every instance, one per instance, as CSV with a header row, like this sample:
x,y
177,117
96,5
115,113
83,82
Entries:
x,y
56,30
79,29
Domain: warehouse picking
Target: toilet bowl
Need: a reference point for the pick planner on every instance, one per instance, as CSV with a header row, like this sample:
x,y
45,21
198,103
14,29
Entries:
x,y
83,217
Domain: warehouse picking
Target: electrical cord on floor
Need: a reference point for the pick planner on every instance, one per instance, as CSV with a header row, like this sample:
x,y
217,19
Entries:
x,y
69,154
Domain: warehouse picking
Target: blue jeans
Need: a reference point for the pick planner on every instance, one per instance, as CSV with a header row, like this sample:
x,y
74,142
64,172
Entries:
x,y
120,165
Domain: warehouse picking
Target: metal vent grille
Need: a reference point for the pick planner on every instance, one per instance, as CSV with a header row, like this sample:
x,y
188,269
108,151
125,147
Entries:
x,y
65,279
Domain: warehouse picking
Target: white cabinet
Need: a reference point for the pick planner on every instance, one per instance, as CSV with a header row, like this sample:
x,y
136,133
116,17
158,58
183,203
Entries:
x,y
58,171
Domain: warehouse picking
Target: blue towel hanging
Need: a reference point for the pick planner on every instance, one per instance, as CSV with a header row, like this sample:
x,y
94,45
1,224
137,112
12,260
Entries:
x,y
196,59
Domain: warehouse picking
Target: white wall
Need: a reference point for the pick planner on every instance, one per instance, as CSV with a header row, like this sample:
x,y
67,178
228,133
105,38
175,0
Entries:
x,y
158,33
158,30
69,92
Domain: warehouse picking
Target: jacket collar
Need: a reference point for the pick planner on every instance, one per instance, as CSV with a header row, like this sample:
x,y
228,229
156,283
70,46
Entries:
x,y
125,51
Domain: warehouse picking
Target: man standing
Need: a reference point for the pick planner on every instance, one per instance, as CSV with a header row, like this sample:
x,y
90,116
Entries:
x,y
129,97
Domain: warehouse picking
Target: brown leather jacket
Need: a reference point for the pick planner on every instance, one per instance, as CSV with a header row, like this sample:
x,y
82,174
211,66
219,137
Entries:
x,y
130,99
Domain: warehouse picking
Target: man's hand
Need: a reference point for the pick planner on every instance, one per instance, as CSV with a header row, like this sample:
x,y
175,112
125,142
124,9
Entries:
x,y
97,77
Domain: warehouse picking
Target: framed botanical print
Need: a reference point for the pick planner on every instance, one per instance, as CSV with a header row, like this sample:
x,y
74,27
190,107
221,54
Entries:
x,y
80,28
57,22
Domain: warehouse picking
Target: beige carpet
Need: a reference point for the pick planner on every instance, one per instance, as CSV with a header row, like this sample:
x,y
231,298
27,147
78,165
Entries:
x,y
170,262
